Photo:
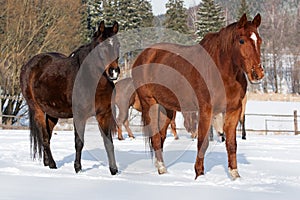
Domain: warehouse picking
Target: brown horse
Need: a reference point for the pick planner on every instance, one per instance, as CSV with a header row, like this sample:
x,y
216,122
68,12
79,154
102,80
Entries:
x,y
218,123
125,98
79,86
209,77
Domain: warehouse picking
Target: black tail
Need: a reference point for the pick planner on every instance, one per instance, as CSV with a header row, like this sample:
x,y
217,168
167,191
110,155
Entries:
x,y
36,141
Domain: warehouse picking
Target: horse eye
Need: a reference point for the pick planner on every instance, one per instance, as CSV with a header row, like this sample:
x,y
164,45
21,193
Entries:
x,y
242,41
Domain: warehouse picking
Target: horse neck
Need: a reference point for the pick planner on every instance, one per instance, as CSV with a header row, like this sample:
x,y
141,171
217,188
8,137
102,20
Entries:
x,y
81,53
221,53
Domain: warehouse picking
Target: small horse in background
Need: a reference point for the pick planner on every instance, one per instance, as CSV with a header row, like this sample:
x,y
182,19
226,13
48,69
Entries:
x,y
126,97
190,123
48,81
218,123
206,86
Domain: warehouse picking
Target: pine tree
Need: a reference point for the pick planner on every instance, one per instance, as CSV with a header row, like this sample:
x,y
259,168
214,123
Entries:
x,y
210,18
95,13
109,14
145,10
128,15
86,28
176,16
244,8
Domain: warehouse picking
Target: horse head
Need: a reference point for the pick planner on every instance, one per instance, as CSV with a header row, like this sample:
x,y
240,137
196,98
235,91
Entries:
x,y
247,44
106,36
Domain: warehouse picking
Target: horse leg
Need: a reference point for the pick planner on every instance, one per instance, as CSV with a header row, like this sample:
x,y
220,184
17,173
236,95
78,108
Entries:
x,y
211,133
231,121
120,136
40,120
123,115
205,115
123,120
173,125
79,127
106,126
165,118
126,124
48,159
39,135
151,129
242,121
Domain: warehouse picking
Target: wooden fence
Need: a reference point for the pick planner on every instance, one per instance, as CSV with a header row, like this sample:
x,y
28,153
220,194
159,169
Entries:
x,y
272,118
266,119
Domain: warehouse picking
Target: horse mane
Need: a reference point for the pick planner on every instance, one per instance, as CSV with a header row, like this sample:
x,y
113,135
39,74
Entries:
x,y
80,53
214,42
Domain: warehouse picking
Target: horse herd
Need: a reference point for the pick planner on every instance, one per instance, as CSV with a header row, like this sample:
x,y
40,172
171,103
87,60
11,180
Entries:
x,y
204,81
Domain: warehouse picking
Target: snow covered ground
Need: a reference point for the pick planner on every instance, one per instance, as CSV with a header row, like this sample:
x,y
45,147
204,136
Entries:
x,y
269,166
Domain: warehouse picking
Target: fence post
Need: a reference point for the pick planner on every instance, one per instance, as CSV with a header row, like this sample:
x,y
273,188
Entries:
x,y
0,110
296,122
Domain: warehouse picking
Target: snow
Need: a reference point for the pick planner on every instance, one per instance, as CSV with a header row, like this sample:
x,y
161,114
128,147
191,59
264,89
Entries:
x,y
269,166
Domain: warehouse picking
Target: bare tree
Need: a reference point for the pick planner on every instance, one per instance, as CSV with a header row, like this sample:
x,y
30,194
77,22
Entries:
x,y
29,27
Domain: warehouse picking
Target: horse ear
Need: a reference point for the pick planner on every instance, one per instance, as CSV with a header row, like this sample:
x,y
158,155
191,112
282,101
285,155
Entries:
x,y
242,22
257,20
101,27
115,27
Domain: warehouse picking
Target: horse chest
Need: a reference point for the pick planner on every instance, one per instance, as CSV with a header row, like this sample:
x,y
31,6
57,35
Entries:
x,y
234,94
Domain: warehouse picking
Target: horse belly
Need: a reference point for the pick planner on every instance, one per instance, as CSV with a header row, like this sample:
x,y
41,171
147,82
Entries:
x,y
54,95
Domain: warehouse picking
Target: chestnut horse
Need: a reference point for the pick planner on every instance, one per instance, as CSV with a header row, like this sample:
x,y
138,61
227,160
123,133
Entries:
x,y
125,98
49,81
209,77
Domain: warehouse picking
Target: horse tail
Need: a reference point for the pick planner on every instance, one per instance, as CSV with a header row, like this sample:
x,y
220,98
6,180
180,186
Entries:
x,y
36,141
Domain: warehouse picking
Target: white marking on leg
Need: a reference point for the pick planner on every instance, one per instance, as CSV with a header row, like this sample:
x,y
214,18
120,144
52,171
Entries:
x,y
234,173
160,167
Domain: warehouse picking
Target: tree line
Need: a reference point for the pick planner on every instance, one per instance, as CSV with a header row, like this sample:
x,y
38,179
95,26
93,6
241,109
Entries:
x,y
29,27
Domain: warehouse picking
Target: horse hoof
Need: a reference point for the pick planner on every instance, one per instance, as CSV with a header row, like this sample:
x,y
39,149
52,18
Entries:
x,y
120,138
199,174
77,168
244,138
113,171
234,174
160,167
52,166
176,138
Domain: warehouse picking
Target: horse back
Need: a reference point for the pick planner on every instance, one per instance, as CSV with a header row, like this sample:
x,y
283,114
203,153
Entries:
x,y
46,83
170,76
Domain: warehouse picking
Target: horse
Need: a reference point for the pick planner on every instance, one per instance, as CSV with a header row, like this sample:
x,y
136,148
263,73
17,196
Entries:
x,y
126,97
190,123
209,77
218,123
57,86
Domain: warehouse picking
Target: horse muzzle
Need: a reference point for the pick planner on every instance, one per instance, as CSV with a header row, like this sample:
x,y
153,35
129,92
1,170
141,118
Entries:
x,y
256,74
113,73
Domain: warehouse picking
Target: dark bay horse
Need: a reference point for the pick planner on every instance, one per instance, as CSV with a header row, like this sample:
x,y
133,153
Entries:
x,y
126,97
56,86
209,77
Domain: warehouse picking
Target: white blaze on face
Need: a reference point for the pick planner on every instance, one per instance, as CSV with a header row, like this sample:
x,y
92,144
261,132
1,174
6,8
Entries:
x,y
115,74
254,38
110,41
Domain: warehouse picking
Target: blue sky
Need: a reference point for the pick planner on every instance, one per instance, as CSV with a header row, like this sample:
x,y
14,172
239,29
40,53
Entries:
x,y
158,6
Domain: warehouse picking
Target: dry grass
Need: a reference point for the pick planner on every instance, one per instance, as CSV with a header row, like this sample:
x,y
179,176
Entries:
x,y
273,97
